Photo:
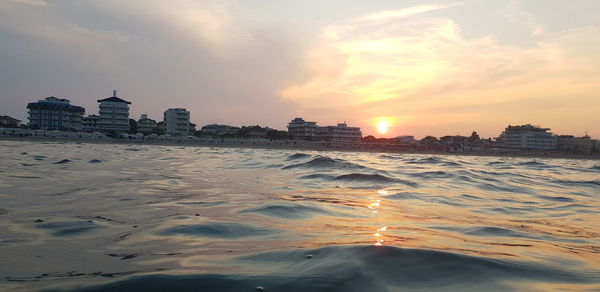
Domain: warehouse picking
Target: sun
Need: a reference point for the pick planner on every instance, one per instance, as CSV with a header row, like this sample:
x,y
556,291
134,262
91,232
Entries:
x,y
382,126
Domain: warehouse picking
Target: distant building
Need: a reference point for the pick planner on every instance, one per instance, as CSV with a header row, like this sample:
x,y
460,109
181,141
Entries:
x,y
54,113
114,114
146,125
339,133
528,137
300,129
177,122
90,123
160,127
9,122
565,142
406,140
192,130
254,132
586,144
219,130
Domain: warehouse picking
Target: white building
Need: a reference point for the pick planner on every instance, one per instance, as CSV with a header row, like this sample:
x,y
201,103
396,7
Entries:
x,y
219,130
90,123
177,122
302,130
53,113
339,133
146,125
528,137
114,114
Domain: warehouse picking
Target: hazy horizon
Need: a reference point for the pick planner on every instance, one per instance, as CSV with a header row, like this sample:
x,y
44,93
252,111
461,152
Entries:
x,y
426,67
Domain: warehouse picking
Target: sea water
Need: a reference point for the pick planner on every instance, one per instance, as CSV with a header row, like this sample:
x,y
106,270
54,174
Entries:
x,y
104,217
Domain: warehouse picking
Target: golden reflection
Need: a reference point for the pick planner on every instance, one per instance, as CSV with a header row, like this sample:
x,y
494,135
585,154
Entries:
x,y
372,206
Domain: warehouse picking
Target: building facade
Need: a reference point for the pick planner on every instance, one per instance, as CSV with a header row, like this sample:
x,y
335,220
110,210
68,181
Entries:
x,y
114,114
339,133
219,130
177,122
9,122
54,113
146,125
528,137
90,123
300,129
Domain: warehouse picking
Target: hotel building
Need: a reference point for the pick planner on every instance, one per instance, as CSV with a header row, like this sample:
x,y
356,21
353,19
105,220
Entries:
x,y
300,129
339,133
177,122
114,114
54,113
528,137
146,125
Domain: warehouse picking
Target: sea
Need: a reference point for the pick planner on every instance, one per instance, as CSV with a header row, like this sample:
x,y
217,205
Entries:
x,y
127,217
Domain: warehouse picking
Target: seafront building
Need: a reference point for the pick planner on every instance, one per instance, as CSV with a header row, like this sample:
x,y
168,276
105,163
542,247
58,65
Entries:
x,y
53,113
90,123
9,122
219,130
339,133
146,125
177,122
299,129
528,137
114,114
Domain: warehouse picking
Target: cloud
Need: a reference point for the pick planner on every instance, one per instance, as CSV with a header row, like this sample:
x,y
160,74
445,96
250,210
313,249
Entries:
x,y
40,3
514,13
422,69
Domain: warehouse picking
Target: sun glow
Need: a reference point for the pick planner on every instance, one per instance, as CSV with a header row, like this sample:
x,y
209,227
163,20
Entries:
x,y
382,126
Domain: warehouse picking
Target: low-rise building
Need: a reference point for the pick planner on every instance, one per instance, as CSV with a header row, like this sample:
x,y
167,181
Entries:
x,y
146,125
528,137
177,122
114,114
9,122
299,129
406,140
54,113
219,130
339,133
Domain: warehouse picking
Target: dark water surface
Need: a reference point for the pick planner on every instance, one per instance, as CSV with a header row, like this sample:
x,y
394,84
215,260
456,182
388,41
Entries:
x,y
96,217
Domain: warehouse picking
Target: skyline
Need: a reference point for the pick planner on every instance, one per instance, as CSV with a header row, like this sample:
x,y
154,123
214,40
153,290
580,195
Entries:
x,y
428,68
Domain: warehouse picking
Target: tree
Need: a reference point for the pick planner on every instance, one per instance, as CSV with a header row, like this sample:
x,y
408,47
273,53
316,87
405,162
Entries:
x,y
133,126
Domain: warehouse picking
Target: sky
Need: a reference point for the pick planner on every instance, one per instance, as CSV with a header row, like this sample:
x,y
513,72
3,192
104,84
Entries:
x,y
423,67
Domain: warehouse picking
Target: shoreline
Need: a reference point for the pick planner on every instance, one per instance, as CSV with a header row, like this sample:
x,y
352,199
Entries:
x,y
302,146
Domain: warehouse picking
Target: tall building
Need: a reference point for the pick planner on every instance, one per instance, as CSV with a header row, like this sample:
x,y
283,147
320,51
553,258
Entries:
x,y
177,122
90,123
114,114
300,129
339,133
146,125
528,137
53,113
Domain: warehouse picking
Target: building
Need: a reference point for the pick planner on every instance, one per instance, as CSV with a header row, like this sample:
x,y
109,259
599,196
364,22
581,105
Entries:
x,y
300,129
586,145
90,123
219,130
114,114
192,130
146,125
410,140
54,113
177,122
528,137
339,133
565,142
9,122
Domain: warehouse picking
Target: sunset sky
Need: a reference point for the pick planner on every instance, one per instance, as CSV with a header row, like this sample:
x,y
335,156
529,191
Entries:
x,y
427,68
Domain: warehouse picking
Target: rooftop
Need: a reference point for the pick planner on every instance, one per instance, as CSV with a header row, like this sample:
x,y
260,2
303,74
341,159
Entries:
x,y
114,98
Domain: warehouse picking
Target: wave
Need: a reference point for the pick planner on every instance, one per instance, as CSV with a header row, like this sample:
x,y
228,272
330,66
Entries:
x,y
63,161
298,156
218,230
323,162
70,228
95,161
362,268
287,211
